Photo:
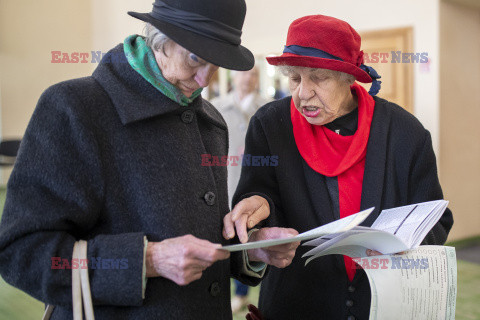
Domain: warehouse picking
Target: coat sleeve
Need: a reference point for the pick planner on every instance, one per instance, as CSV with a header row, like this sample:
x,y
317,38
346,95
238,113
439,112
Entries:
x,y
55,197
425,186
259,180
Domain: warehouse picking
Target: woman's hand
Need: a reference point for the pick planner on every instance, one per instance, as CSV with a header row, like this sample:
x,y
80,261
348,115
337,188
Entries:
x,y
247,213
372,253
279,256
182,259
253,313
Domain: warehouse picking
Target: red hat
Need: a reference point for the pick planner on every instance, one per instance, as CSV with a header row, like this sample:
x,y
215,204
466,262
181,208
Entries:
x,y
325,42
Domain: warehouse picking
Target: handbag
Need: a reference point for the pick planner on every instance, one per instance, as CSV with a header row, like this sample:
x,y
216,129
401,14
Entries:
x,y
80,287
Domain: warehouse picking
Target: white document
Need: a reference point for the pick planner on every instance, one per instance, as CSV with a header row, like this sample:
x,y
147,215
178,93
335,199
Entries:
x,y
411,223
355,244
420,284
395,230
337,226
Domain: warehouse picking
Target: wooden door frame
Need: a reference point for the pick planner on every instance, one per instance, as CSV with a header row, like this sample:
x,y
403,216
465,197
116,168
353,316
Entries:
x,y
406,33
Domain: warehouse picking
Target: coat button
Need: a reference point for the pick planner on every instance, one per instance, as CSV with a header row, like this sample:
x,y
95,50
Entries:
x,y
351,289
350,318
214,289
209,198
187,116
349,303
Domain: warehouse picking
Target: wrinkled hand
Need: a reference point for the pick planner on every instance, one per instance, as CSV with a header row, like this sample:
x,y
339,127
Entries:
x,y
247,213
253,313
182,259
279,256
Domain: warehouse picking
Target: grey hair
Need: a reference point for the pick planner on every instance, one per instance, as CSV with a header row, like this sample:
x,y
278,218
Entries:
x,y
342,76
155,39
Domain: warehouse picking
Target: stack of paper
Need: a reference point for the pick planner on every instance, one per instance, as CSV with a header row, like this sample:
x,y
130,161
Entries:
x,y
395,230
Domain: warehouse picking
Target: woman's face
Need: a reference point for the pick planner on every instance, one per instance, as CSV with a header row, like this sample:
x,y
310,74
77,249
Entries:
x,y
183,69
320,95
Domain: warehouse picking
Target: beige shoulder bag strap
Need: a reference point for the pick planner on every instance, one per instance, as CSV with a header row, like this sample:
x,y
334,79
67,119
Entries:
x,y
80,287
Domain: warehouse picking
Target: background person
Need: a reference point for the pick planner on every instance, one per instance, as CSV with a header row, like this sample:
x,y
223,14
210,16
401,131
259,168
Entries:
x,y
237,108
341,150
115,159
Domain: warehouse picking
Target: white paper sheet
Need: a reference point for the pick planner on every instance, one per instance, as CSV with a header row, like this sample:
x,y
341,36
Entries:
x,y
337,226
354,244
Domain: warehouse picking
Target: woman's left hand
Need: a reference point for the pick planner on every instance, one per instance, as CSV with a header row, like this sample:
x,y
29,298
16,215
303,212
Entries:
x,y
371,253
279,256
247,213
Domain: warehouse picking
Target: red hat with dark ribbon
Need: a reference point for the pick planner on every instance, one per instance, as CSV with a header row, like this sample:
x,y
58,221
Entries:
x,y
325,42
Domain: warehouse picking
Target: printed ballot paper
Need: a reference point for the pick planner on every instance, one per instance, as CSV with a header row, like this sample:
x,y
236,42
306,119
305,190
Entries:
x,y
395,230
420,284
337,226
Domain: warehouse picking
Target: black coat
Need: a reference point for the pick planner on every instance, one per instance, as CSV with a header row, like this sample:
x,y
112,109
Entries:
x,y
400,169
110,159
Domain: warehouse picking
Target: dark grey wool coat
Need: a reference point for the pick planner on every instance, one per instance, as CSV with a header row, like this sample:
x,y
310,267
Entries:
x,y
400,169
110,159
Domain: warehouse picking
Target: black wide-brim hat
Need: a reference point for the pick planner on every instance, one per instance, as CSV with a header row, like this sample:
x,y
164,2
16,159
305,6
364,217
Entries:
x,y
210,29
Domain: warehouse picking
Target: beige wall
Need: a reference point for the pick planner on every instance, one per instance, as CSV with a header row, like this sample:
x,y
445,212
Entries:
x,y
29,31
460,114
112,28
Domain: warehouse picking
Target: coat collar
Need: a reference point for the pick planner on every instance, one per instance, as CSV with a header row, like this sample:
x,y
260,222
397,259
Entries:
x,y
135,99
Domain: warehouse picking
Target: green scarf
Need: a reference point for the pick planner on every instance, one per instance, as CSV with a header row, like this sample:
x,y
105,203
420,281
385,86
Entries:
x,y
142,60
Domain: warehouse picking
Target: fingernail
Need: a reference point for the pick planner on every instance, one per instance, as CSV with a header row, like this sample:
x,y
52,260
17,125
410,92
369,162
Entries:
x,y
230,235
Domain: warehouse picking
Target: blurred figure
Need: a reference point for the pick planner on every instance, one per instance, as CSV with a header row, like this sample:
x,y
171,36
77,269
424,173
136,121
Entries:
x,y
237,108
279,93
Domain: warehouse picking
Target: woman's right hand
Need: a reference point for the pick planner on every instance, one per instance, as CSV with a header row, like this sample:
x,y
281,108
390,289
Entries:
x,y
182,259
246,214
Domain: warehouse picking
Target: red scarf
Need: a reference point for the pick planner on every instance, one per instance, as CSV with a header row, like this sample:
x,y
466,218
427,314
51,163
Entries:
x,y
334,155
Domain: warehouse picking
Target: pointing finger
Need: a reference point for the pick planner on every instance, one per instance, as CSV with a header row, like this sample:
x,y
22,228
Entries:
x,y
260,214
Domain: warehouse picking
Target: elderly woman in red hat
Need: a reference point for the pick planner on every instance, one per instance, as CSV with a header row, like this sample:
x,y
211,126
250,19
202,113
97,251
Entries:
x,y
341,149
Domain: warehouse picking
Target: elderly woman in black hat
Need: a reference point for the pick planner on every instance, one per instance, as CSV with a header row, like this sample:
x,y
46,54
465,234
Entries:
x,y
115,159
340,150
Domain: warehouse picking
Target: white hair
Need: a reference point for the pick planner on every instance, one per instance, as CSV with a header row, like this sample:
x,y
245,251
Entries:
x,y
155,39
342,76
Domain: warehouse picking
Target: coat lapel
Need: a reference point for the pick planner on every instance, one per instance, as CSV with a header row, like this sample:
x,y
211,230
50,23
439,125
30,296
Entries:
x,y
375,162
323,205
318,194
